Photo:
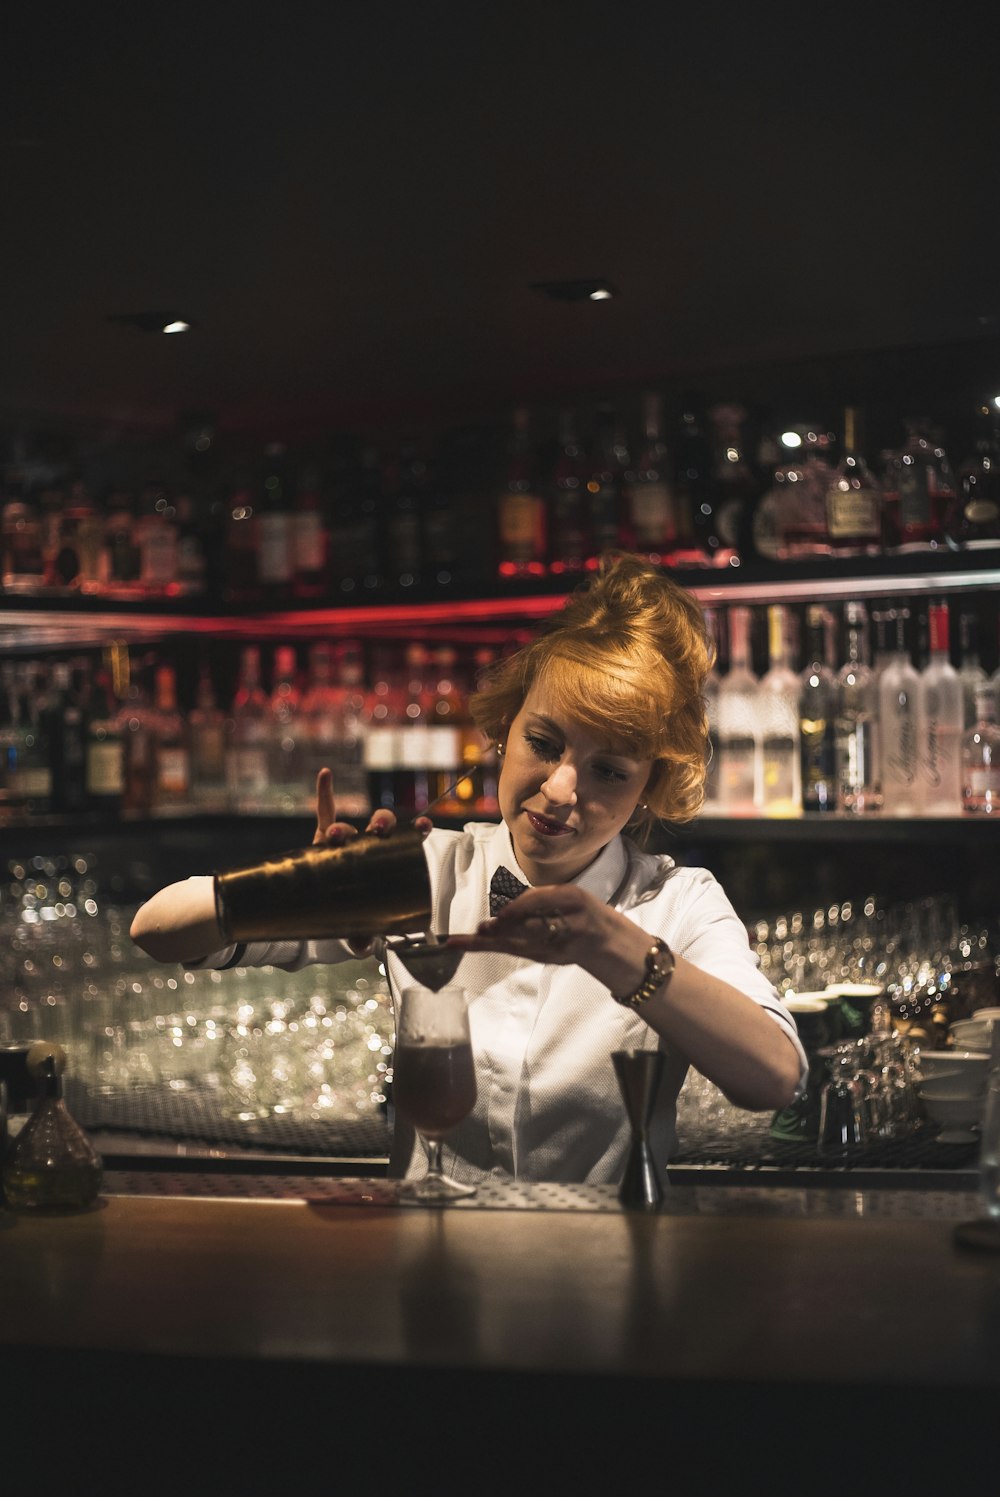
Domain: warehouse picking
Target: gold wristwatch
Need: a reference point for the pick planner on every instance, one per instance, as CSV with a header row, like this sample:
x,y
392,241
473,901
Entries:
x,y
660,965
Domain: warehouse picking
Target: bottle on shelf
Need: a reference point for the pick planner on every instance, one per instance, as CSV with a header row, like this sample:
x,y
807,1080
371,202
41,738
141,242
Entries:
x,y
856,721
522,517
207,730
898,690
940,723
288,788
274,537
653,518
79,561
22,568
919,491
973,522
406,489
241,584
136,723
247,750
447,714
64,726
693,492
122,564
383,718
33,775
411,781
172,750
778,716
569,543
732,490
606,492
156,537
333,705
981,757
853,497
817,713
310,536
104,772
192,557
10,809
802,530
739,749
710,804
970,671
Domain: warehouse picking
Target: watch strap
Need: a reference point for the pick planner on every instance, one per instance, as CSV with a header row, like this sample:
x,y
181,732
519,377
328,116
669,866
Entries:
x,y
660,965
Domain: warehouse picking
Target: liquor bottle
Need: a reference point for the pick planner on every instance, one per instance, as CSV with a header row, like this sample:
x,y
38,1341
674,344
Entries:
x,y
973,520
406,487
241,579
207,730
692,487
192,558
853,498
653,511
739,751
104,772
171,748
817,713
135,720
156,536
383,716
10,808
919,492
803,530
122,559
778,718
521,514
444,732
605,490
970,671
288,787
23,563
64,727
856,723
569,544
247,751
310,536
411,781
349,773
898,689
732,492
939,724
981,757
275,545
34,761
711,697
355,506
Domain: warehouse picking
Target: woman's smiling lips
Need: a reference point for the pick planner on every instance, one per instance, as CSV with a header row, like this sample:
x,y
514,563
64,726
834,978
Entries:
x,y
547,828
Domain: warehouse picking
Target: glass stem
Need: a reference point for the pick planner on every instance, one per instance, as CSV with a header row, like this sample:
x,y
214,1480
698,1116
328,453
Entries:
x,y
434,1159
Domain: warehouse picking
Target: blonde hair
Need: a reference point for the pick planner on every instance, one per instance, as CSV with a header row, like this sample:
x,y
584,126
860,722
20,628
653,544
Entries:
x,y
626,657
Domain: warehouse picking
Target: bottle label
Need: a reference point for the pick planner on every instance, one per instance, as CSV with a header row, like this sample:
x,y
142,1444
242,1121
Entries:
x,y
173,770
982,511
522,527
105,768
274,549
309,541
414,747
852,514
444,748
914,497
380,748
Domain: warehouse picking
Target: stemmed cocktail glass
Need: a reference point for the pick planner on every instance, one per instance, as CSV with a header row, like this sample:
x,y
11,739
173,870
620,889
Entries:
x,y
434,1081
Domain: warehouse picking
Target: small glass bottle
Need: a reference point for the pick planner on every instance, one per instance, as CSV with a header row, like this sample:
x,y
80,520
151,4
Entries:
x,y
919,492
778,717
898,688
853,499
974,519
739,748
856,731
981,758
817,713
939,723
53,1164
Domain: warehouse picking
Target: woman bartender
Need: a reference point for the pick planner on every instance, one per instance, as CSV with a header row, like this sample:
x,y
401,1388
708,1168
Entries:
x,y
577,942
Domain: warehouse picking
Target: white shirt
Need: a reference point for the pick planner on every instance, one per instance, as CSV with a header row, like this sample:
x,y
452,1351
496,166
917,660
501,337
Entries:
x,y
548,1104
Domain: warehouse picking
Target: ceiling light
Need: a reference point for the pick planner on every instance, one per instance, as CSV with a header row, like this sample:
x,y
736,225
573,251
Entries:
x,y
595,288
152,322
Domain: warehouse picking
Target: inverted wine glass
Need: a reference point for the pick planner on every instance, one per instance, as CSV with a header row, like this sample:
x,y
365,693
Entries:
x,y
434,1081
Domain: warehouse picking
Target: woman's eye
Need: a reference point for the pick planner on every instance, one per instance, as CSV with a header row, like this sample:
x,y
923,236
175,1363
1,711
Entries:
x,y
543,747
610,774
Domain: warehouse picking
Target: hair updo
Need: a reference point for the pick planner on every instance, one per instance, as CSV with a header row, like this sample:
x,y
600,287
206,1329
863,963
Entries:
x,y
627,657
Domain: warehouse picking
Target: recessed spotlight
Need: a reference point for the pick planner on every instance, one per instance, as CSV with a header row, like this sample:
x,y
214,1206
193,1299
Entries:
x,y
595,288
153,322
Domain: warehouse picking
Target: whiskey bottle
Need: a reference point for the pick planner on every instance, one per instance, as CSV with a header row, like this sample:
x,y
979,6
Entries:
x,y
853,498
817,713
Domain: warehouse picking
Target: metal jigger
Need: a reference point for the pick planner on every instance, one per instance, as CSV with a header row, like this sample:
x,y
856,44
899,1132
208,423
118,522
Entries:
x,y
639,1073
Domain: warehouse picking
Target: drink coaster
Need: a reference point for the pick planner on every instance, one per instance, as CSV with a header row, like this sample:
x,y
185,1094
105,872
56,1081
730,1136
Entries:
x,y
983,1234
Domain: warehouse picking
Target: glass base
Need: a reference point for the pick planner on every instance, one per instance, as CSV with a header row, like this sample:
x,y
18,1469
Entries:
x,y
433,1190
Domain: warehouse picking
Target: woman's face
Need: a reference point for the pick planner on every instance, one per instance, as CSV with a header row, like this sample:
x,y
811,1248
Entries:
x,y
564,793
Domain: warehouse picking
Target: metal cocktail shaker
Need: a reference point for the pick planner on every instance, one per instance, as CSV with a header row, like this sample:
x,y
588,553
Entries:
x,y
370,886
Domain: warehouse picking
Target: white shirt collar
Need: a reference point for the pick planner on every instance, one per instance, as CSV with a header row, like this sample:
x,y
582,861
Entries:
x,y
602,878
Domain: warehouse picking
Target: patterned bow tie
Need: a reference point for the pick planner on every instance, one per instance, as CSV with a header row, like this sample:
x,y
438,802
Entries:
x,y
503,888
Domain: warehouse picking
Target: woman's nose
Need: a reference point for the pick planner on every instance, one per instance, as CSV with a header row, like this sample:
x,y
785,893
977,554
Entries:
x,y
561,784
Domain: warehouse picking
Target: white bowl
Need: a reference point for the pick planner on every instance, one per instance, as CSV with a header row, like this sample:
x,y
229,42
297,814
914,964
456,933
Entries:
x,y
958,1116
965,1070
972,1034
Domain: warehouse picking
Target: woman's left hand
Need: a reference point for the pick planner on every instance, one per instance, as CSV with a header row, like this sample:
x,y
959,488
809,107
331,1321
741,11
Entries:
x,y
558,924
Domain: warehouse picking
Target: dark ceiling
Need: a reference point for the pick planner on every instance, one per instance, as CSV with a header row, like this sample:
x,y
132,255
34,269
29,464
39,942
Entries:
x,y
352,200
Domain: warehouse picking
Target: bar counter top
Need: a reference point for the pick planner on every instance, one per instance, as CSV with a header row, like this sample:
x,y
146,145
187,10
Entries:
x,y
556,1310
